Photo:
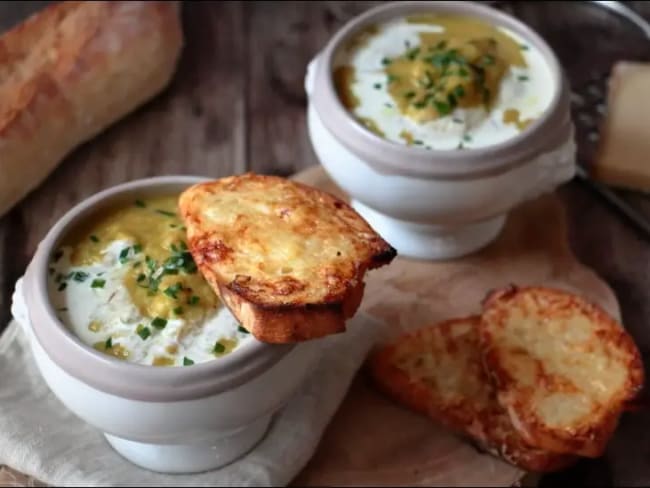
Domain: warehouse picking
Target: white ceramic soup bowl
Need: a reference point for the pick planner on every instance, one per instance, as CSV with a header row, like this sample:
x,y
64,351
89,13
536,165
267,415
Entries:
x,y
166,419
437,204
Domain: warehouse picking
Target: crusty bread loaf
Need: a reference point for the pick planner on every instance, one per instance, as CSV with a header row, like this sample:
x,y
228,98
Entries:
x,y
288,260
437,370
70,71
561,366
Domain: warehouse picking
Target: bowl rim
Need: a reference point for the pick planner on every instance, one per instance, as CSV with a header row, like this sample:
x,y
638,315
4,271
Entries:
x,y
549,130
106,373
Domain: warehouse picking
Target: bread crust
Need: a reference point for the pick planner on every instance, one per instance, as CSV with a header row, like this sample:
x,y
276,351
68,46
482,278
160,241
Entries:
x,y
71,70
288,260
438,371
599,366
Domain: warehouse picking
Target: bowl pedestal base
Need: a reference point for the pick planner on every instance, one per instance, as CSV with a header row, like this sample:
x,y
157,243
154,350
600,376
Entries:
x,y
432,242
191,458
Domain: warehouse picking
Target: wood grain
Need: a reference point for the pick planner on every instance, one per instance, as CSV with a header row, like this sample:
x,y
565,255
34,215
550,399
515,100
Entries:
x,y
237,104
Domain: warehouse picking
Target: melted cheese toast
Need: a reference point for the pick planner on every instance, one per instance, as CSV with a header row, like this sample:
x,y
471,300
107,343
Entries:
x,y
438,371
562,367
287,259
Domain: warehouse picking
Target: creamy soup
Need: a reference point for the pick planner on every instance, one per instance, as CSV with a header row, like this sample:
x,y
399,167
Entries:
x,y
126,284
442,82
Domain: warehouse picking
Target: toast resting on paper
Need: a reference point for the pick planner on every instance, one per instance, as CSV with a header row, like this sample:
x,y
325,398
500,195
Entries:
x,y
437,370
561,366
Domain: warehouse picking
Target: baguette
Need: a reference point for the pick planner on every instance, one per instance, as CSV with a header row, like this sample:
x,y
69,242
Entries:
x,y
562,368
71,70
437,371
288,260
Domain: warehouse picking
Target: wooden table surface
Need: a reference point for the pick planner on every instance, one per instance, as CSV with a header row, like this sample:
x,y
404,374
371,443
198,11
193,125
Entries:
x,y
237,103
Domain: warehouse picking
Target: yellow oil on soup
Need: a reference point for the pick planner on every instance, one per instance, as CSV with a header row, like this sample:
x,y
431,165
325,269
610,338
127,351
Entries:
x,y
162,279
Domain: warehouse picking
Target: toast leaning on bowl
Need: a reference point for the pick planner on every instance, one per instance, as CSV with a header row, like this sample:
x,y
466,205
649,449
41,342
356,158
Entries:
x,y
539,378
288,260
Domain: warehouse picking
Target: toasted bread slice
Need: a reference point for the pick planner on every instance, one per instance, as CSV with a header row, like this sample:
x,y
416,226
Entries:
x,y
287,259
438,371
561,366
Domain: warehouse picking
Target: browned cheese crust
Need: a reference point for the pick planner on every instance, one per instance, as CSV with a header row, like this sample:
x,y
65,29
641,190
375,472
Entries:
x,y
437,371
562,367
287,259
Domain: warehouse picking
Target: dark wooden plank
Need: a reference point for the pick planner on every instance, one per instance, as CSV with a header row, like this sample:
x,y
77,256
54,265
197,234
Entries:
x,y
283,37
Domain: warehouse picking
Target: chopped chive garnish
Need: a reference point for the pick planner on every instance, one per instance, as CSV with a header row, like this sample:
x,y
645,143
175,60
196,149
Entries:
x,y
219,348
137,249
165,212
193,300
420,104
463,73
409,95
178,310
62,309
242,330
159,323
467,138
459,91
141,278
457,121
488,59
124,255
523,78
144,332
385,61
109,343
80,276
98,284
418,142
57,256
137,264
172,291
523,47
442,107
173,226
183,228
441,45
377,86
187,362
407,43
140,203
94,238
62,286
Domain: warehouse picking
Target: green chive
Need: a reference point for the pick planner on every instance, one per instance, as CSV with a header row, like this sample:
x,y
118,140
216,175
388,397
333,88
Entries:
x,y
137,249
193,300
94,238
171,291
377,86
488,59
523,78
467,138
124,255
80,276
242,330
413,54
187,362
159,323
141,278
173,226
98,284
385,61
442,107
219,348
459,91
178,310
457,121
409,95
144,332
463,73
441,45
62,309
420,104
109,343
62,286
166,213
418,142
523,47
140,203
